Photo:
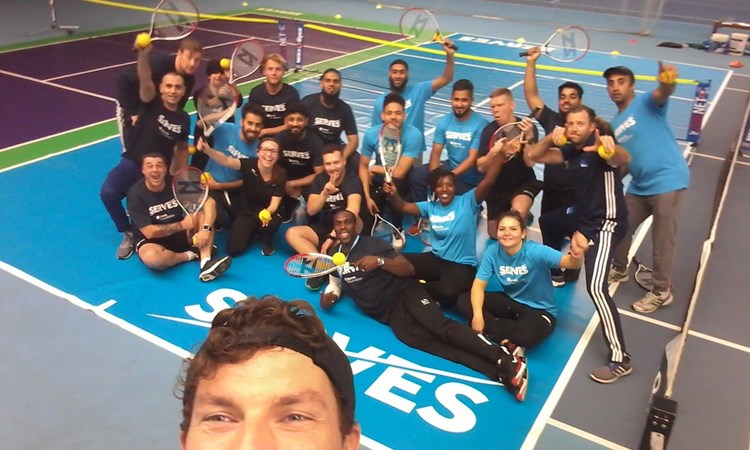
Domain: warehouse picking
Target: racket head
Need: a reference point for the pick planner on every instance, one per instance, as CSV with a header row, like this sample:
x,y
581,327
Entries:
x,y
419,26
567,44
389,148
385,230
309,265
513,133
245,60
213,110
644,276
173,20
188,189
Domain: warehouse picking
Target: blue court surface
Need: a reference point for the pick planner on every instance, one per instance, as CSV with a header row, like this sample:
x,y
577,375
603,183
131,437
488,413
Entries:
x,y
58,232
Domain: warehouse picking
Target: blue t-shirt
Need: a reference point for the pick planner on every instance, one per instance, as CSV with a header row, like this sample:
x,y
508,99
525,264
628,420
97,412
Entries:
x,y
227,141
412,143
415,96
525,276
454,228
457,138
656,163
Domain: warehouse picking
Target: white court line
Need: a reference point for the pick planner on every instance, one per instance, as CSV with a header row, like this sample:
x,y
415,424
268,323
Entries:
x,y
61,152
588,436
716,340
47,83
55,135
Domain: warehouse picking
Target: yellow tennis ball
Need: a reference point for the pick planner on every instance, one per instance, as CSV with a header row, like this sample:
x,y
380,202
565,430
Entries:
x,y
195,239
604,153
143,40
264,215
339,258
521,40
378,6
192,149
562,141
224,63
667,77
244,3
338,16
205,177
614,52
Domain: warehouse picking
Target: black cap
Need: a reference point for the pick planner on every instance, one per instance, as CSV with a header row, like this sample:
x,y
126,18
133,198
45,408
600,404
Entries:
x,y
213,66
619,70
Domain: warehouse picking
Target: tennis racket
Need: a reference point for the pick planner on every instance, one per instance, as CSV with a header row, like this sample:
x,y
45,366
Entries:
x,y
419,27
389,149
173,20
191,193
387,231
246,59
310,265
567,44
644,276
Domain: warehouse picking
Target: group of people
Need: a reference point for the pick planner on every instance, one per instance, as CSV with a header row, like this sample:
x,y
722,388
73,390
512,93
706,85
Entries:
x,y
288,157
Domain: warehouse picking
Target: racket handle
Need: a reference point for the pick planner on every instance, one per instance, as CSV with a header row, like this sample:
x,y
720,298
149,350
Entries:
x,y
388,177
523,54
453,47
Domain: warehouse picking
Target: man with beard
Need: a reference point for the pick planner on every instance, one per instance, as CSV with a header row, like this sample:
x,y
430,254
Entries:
x,y
600,218
458,133
416,95
237,141
162,126
273,95
559,188
301,157
517,185
330,116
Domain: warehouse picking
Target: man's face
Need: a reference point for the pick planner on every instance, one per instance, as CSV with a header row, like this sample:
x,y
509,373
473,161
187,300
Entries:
x,y
172,88
273,72
398,76
502,109
251,126
620,88
333,163
295,123
393,113
461,103
330,85
345,227
578,127
154,171
187,62
568,99
278,399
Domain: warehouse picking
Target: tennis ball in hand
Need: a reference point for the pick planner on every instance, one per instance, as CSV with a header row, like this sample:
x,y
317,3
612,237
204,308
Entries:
x,y
668,77
195,240
143,40
192,149
205,177
604,153
562,141
264,215
339,258
224,63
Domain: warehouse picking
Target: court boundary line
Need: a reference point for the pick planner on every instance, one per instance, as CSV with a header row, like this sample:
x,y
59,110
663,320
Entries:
x,y
586,435
55,85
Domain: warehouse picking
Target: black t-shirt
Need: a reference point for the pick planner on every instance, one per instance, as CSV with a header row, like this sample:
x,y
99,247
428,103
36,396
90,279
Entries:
x,y
351,184
157,130
257,192
374,292
146,207
273,105
299,157
330,122
599,193
556,176
128,83
514,172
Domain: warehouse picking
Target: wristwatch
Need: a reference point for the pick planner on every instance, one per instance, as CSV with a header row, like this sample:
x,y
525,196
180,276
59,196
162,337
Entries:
x,y
206,227
381,261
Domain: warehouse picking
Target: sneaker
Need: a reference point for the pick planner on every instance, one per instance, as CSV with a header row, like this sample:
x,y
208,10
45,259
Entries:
x,y
398,241
617,275
125,250
315,283
611,372
558,280
287,211
653,301
417,227
213,268
516,376
267,248
514,349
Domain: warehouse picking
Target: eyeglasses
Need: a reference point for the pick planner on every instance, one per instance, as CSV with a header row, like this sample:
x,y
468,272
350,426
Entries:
x,y
268,149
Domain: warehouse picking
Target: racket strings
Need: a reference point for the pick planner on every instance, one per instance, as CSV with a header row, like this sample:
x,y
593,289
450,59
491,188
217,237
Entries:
x,y
246,59
390,145
189,190
174,19
309,264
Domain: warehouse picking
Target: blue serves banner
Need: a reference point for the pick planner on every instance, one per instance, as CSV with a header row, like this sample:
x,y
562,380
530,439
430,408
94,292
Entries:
x,y
700,104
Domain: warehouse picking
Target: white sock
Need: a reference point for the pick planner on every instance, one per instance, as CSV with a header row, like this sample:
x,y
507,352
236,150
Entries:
x,y
204,261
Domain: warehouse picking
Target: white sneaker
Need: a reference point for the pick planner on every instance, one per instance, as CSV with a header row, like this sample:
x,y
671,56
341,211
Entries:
x,y
651,301
398,240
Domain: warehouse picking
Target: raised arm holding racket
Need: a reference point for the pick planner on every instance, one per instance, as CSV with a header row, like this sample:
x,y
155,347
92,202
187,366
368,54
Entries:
x,y
568,44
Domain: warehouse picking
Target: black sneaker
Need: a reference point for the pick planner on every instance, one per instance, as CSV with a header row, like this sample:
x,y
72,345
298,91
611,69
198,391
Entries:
x,y
315,283
267,248
286,212
558,280
514,373
213,268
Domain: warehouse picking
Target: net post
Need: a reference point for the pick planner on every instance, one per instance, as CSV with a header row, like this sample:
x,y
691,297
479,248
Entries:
x,y
282,39
700,105
299,46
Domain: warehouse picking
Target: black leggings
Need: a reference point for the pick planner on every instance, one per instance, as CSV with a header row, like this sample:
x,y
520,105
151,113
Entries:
x,y
418,321
244,228
505,318
446,280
